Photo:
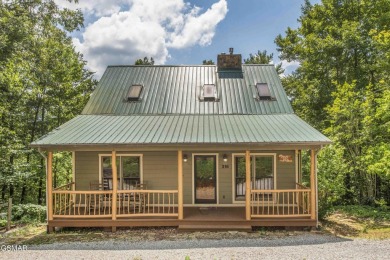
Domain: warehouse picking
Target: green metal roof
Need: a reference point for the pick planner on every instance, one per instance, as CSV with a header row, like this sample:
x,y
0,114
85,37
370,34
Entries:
x,y
183,129
175,90
170,111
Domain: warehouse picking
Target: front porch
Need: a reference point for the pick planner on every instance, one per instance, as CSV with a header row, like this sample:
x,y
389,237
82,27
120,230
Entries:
x,y
68,207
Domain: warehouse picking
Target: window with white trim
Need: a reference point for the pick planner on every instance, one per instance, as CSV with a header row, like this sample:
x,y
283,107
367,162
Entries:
x,y
129,171
262,174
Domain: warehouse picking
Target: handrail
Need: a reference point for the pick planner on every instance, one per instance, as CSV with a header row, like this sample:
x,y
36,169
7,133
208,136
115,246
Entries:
x,y
82,192
64,186
148,191
287,190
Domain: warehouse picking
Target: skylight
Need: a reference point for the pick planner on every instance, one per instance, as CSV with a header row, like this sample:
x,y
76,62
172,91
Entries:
x,y
209,92
134,92
263,91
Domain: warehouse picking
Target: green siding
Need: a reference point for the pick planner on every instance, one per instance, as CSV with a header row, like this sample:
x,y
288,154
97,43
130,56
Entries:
x,y
160,172
87,169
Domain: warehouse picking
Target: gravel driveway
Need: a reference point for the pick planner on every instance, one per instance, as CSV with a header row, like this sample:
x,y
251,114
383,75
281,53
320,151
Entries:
x,y
305,246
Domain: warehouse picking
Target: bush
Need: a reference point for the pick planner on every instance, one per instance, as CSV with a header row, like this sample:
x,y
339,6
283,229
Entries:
x,y
365,212
29,213
3,223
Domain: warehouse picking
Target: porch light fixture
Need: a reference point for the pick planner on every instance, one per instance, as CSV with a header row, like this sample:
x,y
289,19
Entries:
x,y
225,158
185,158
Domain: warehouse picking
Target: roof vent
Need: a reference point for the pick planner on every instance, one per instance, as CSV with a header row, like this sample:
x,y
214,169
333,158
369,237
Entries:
x,y
229,61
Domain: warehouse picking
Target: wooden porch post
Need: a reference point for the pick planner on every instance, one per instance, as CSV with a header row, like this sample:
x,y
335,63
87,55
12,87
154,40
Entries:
x,y
114,186
312,184
248,185
180,183
49,181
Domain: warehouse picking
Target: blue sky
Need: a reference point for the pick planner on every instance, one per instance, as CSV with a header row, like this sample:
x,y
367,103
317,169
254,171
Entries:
x,y
249,26
177,32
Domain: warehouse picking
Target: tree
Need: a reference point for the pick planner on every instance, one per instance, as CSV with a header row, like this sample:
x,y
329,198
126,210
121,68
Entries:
x,y
261,57
43,84
343,48
145,61
208,62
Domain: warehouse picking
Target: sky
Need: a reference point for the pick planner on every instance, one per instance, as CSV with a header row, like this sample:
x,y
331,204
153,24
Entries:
x,y
179,32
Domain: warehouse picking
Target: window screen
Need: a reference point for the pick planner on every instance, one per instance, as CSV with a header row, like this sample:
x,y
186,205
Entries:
x,y
134,92
263,91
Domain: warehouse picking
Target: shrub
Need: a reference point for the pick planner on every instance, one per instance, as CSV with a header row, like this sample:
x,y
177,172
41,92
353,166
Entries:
x,y
29,213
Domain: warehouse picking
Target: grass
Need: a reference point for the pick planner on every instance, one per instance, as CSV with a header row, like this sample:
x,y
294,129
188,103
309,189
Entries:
x,y
359,222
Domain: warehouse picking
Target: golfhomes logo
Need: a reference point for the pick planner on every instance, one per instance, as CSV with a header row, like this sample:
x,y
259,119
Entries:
x,y
13,248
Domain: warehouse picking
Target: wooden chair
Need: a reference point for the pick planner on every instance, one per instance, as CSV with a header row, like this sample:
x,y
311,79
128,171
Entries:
x,y
101,201
135,201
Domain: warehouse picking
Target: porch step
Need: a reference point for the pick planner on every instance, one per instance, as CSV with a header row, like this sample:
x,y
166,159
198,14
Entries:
x,y
214,227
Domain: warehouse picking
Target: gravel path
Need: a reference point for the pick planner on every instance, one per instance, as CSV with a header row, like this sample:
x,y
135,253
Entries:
x,y
307,246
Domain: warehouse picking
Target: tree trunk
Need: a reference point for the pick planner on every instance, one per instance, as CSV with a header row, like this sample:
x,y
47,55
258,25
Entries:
x,y
23,193
3,191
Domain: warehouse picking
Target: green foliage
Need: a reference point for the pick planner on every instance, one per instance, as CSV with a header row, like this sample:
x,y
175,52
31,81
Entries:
x,y
28,213
261,57
43,83
331,172
208,62
342,88
145,61
3,222
365,212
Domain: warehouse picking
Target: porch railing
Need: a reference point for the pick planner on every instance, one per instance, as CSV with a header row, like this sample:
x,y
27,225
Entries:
x,y
82,204
130,203
280,203
162,203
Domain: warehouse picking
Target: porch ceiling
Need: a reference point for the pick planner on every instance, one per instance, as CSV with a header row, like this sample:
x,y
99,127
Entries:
x,y
183,129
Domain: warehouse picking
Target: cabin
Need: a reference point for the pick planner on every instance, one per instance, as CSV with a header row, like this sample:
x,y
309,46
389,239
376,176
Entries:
x,y
193,147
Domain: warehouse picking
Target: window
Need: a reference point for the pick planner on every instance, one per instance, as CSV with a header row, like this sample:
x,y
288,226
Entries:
x,y
262,174
209,92
128,171
263,91
134,92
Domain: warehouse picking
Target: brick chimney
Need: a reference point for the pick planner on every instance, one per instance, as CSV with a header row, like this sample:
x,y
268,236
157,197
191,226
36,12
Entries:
x,y
229,61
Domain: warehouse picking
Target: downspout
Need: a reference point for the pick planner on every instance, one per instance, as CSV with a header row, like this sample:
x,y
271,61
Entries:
x,y
44,156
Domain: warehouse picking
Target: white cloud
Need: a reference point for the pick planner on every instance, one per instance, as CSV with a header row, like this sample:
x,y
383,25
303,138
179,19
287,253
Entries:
x,y
289,67
148,28
199,29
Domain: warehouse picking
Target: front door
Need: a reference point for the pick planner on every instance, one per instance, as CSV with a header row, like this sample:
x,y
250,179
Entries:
x,y
205,179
